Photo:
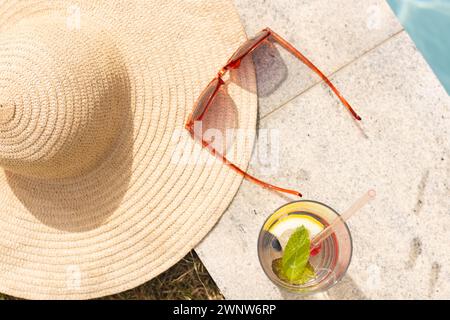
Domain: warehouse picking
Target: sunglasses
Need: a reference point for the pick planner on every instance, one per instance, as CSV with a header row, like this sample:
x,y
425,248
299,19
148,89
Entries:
x,y
210,92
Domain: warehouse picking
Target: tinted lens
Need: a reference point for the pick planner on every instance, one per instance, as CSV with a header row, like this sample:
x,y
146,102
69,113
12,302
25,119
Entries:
x,y
204,100
246,47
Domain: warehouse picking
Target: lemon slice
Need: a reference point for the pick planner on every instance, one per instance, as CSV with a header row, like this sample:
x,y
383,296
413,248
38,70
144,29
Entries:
x,y
283,228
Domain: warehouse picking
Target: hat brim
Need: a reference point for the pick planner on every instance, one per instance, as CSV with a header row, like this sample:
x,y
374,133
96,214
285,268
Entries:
x,y
141,209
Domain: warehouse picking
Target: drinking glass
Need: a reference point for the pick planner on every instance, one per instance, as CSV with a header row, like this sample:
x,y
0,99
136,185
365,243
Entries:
x,y
330,263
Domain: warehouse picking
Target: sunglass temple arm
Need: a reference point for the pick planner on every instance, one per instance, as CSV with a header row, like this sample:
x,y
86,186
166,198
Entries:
x,y
245,174
306,61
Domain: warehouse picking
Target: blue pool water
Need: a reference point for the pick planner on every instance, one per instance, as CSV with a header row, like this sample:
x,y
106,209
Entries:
x,y
428,24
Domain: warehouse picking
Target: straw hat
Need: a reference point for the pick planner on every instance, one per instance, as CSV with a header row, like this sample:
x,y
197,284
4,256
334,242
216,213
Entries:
x,y
93,100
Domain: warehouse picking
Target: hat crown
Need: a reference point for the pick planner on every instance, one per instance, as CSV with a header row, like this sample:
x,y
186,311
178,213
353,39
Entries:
x,y
63,95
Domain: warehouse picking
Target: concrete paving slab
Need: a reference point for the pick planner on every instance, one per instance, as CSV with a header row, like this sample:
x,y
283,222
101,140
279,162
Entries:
x,y
402,149
330,33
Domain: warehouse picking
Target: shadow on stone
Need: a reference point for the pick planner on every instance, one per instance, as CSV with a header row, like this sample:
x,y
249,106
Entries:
x,y
271,71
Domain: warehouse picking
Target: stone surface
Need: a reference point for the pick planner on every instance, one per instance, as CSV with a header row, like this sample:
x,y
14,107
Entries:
x,y
402,149
330,33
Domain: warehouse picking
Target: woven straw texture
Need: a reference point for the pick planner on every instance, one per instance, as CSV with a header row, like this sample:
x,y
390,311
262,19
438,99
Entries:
x,y
95,195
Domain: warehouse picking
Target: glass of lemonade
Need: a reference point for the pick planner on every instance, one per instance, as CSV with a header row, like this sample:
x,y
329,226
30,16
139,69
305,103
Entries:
x,y
330,261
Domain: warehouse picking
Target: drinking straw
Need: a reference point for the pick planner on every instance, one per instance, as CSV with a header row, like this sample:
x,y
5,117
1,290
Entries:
x,y
325,233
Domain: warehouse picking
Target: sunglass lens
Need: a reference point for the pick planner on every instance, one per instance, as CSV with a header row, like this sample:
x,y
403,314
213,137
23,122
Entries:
x,y
204,100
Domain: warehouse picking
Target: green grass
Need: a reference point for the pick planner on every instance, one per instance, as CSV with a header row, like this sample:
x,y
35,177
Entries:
x,y
187,280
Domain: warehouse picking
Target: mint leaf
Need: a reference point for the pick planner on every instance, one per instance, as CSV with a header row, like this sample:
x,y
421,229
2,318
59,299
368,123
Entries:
x,y
308,273
294,266
296,255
